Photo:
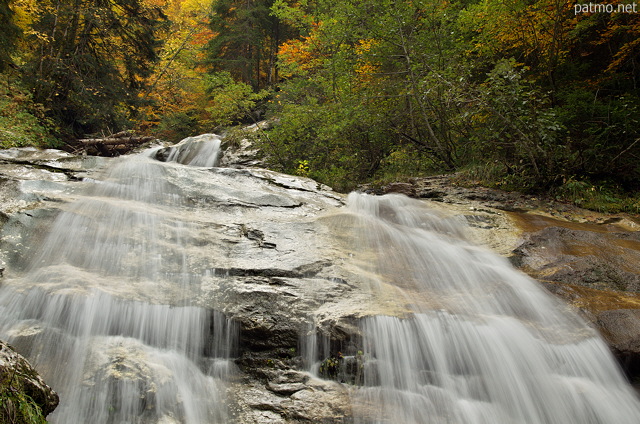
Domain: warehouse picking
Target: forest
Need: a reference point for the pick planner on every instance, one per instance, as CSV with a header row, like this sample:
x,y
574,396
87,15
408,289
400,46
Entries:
x,y
539,96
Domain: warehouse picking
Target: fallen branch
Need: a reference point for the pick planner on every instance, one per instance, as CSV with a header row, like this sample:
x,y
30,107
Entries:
x,y
113,141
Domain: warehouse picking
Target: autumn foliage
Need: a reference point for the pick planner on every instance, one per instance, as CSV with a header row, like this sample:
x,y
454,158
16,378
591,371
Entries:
x,y
519,94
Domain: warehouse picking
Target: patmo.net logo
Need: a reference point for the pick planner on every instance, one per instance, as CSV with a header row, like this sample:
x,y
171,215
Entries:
x,y
605,8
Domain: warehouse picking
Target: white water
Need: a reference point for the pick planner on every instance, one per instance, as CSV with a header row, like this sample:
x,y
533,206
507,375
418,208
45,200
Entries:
x,y
104,312
481,343
202,150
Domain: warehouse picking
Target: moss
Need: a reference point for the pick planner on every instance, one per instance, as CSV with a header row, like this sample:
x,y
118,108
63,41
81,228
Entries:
x,y
16,406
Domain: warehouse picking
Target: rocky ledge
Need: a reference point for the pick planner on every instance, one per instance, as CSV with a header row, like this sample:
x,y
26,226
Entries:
x,y
26,398
267,263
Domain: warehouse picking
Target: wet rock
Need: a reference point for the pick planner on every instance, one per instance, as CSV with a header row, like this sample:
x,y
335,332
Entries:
x,y
29,163
621,329
590,260
201,150
593,265
21,388
285,388
322,402
605,261
401,188
258,253
254,250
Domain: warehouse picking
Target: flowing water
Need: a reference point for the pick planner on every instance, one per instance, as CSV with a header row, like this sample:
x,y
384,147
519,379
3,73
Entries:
x,y
481,342
103,308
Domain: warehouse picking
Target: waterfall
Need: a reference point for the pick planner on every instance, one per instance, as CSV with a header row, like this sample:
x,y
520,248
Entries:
x,y
120,296
105,306
201,150
480,343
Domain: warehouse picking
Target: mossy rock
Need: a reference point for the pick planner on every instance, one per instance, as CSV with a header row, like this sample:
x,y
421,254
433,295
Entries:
x,y
24,396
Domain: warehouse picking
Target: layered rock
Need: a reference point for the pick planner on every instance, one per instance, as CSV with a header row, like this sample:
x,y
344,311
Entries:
x,y
245,242
253,249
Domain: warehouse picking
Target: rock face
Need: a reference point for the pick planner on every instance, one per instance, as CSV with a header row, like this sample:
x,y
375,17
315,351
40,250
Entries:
x,y
21,388
251,257
621,328
596,268
605,260
246,244
590,260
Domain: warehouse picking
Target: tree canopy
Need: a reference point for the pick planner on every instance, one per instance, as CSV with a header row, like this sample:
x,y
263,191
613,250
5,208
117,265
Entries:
x,y
534,95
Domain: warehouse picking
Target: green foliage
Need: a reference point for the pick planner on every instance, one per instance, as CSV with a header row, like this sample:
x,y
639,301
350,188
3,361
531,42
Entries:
x,y
330,367
515,126
379,89
8,36
517,95
346,369
19,408
303,168
246,41
232,102
603,136
179,125
404,164
603,197
22,122
341,142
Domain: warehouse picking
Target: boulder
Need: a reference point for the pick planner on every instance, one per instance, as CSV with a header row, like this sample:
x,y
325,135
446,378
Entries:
x,y
621,329
22,390
599,260
595,267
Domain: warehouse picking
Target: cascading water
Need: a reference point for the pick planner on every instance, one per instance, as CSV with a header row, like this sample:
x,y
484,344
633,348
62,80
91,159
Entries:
x,y
480,342
202,150
116,307
104,308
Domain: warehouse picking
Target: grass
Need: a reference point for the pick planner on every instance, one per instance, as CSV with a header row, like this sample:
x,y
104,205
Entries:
x,y
605,198
16,407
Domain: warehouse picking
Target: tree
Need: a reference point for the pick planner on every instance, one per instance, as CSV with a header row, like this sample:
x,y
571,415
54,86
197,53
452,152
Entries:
x,y
246,42
174,101
9,34
379,89
89,60
534,33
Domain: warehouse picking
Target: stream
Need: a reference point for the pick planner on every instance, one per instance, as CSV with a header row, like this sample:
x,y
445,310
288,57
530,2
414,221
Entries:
x,y
137,290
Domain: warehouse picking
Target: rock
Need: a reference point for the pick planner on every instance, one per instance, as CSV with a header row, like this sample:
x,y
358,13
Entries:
x,y
402,188
254,249
621,329
590,260
239,149
320,401
22,388
248,244
285,388
605,261
595,267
